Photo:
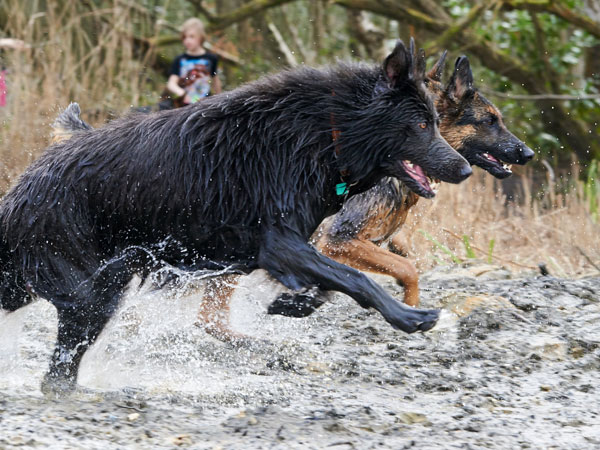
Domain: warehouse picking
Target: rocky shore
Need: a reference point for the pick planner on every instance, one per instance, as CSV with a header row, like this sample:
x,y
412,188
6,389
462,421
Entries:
x,y
513,363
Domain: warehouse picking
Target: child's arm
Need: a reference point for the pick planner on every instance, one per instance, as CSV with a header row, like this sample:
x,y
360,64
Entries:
x,y
174,88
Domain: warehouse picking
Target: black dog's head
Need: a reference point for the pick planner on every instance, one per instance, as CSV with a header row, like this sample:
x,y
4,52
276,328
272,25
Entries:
x,y
473,125
409,142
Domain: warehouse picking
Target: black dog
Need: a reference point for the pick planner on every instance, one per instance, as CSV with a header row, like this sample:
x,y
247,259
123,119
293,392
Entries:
x,y
240,181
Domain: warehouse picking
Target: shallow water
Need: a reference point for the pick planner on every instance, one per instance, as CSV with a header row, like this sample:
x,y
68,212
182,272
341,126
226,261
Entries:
x,y
513,363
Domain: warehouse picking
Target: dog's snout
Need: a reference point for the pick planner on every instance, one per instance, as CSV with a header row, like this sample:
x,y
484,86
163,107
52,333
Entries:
x,y
526,153
450,166
465,172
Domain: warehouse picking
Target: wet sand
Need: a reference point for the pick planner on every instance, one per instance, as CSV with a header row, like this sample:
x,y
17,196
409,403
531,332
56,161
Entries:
x,y
513,363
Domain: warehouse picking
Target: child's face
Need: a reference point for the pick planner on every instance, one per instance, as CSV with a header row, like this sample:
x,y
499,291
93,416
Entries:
x,y
192,41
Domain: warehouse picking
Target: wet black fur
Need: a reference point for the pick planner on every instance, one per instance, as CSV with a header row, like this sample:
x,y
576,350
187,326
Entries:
x,y
241,179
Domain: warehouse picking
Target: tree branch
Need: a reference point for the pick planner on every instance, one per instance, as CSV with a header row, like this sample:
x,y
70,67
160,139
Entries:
x,y
540,97
283,47
440,43
202,10
558,9
245,11
367,33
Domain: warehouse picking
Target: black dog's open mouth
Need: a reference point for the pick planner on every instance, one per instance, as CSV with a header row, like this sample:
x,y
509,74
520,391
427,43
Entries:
x,y
417,180
493,165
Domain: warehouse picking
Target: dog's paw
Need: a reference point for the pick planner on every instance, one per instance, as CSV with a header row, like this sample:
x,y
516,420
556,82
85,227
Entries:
x,y
412,320
295,304
56,386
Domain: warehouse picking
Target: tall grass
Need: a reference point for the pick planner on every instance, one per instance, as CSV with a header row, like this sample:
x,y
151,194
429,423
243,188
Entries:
x,y
562,233
77,52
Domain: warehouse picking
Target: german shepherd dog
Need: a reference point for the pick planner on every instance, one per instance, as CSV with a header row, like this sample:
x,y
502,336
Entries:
x,y
237,182
470,124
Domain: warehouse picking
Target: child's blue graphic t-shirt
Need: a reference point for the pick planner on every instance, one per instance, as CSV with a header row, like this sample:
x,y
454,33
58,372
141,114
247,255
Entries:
x,y
194,73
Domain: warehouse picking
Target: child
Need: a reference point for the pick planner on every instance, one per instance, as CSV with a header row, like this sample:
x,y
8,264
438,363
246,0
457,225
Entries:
x,y
194,74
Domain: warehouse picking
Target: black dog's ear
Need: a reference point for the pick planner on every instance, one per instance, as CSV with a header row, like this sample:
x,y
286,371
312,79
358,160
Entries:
x,y
461,81
437,70
397,67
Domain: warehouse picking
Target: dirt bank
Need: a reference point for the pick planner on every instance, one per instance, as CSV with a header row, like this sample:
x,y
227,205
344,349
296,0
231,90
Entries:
x,y
514,363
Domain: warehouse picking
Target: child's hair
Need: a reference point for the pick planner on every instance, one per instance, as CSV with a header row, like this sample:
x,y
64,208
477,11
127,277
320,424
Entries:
x,y
193,24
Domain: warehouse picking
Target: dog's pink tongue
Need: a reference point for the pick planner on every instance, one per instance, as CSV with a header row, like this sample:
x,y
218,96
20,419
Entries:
x,y
491,158
419,172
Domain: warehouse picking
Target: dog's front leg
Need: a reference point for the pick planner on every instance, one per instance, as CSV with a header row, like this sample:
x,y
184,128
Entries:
x,y
365,255
296,264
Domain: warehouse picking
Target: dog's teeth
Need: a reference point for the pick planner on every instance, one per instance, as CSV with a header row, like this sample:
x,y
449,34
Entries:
x,y
507,167
409,164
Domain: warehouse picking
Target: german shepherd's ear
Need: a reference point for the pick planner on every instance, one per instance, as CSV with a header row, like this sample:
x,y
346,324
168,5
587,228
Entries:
x,y
398,66
437,70
420,65
461,81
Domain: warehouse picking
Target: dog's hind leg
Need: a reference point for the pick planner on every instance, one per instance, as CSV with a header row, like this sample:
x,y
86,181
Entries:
x,y
366,256
82,316
214,311
292,261
77,331
298,304
398,244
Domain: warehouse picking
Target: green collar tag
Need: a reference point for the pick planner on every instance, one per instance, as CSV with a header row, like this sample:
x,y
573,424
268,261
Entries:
x,y
341,188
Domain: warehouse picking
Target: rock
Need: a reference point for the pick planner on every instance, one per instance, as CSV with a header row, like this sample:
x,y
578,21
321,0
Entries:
x,y
549,348
441,276
318,367
335,427
411,418
133,417
566,301
182,440
463,304
489,272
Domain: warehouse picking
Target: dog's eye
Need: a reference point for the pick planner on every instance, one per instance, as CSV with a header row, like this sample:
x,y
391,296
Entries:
x,y
423,125
492,120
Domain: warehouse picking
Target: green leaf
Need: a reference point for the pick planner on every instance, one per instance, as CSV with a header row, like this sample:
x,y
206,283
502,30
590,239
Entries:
x,y
491,250
468,249
441,246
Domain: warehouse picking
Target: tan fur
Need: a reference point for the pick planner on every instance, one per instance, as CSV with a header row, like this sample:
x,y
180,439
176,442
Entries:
x,y
362,254
59,134
214,311
455,136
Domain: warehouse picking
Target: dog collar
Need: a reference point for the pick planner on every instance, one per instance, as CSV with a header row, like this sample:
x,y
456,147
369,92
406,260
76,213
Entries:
x,y
340,188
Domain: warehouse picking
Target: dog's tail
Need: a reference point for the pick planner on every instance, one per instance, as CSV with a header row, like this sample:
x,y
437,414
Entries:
x,y
68,123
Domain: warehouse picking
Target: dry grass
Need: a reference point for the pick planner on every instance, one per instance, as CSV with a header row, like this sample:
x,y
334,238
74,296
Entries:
x,y
558,230
63,63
